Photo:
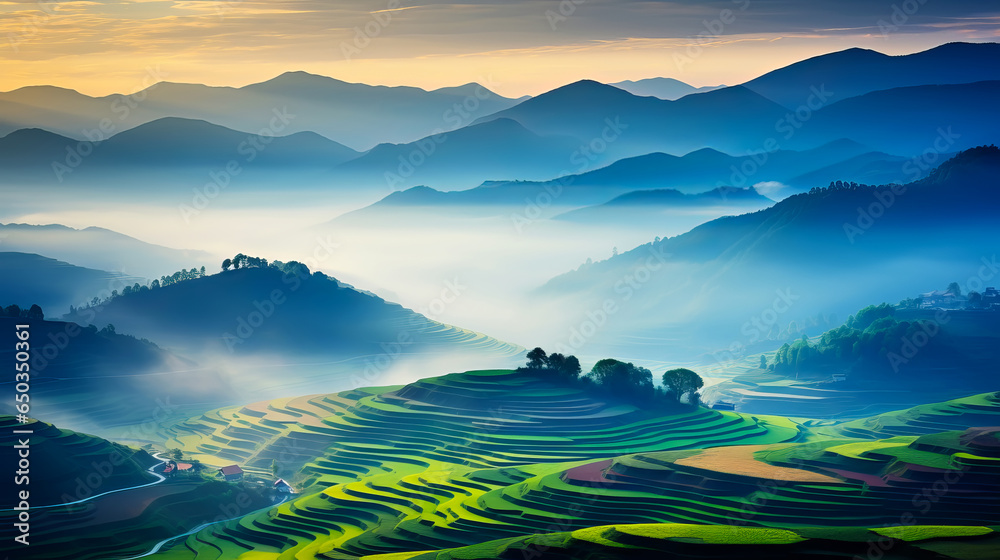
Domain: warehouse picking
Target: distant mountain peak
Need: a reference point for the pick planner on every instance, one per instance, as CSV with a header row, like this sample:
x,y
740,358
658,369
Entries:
x,y
411,196
175,128
298,77
42,90
499,125
657,79
856,71
705,152
299,73
33,135
668,89
587,87
963,46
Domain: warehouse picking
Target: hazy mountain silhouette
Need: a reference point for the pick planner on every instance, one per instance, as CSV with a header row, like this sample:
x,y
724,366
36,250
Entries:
x,y
856,71
165,150
54,285
101,249
356,115
911,120
696,172
314,316
827,251
76,366
873,168
27,155
664,204
34,107
663,88
174,141
617,124
904,121
498,148
570,130
900,102
705,168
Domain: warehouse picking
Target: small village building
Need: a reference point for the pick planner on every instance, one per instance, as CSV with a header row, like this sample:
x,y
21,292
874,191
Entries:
x,y
232,473
940,299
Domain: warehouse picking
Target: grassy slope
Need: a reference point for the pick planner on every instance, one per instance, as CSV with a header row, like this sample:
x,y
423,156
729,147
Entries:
x,y
62,461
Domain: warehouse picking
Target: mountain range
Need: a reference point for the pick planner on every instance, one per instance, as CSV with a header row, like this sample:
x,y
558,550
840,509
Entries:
x,y
832,250
100,248
784,171
314,132
856,71
356,115
736,119
663,88
163,152
54,285
499,148
655,205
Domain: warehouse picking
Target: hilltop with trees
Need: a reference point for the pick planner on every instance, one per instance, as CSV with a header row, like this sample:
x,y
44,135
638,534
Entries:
x,y
240,261
872,341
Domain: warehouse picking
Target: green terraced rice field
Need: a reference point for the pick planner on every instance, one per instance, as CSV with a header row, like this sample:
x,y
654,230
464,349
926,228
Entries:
x,y
467,458
698,541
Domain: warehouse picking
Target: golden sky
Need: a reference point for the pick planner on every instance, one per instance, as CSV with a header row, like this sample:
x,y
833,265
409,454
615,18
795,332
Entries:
x,y
516,48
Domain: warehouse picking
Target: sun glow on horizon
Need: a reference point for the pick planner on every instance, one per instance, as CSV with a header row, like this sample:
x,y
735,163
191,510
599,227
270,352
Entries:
x,y
100,48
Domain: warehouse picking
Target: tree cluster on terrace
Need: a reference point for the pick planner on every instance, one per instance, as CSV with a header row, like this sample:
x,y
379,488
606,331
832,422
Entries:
x,y
622,380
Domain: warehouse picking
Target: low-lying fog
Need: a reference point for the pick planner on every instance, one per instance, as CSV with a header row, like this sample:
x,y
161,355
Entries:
x,y
480,273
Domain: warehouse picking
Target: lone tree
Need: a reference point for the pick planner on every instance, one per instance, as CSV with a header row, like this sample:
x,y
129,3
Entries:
x,y
682,381
274,467
537,359
176,454
227,264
